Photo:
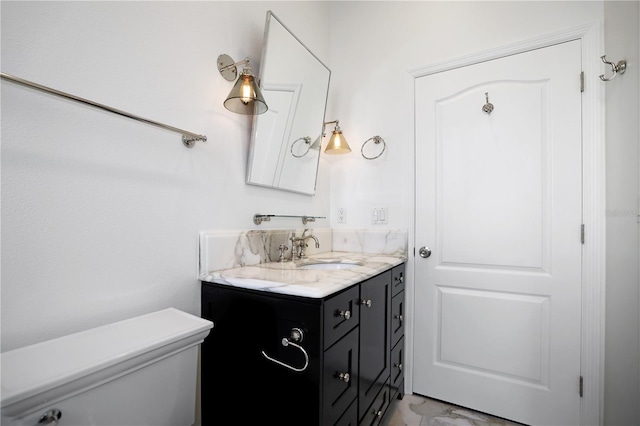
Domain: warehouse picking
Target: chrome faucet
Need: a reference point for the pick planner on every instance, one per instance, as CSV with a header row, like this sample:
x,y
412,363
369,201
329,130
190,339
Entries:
x,y
303,244
298,245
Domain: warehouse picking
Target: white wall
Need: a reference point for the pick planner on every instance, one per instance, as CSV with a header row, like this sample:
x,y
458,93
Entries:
x,y
622,354
373,44
101,214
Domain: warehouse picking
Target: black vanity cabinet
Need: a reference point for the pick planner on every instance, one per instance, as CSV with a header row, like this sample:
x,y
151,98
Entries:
x,y
397,332
294,360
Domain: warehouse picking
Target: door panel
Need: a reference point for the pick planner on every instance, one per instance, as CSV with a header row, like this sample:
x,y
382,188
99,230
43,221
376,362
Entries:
x,y
475,198
520,352
498,200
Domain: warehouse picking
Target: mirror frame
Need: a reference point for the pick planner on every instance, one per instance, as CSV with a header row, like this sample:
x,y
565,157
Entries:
x,y
256,118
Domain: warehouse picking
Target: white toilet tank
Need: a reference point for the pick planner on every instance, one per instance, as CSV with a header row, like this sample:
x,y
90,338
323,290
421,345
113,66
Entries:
x,y
137,372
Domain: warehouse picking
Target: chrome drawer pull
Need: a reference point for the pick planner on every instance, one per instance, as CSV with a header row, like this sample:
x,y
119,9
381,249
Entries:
x,y
345,314
296,336
366,302
377,413
345,377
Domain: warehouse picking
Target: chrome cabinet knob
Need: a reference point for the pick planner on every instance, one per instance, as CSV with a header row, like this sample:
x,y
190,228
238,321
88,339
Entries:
x,y
424,252
345,377
366,302
398,317
398,366
345,314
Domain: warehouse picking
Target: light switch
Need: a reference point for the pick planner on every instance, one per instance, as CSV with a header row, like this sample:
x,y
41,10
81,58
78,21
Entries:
x,y
379,216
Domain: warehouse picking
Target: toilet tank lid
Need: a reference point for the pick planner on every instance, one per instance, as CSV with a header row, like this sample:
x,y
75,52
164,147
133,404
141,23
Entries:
x,y
40,367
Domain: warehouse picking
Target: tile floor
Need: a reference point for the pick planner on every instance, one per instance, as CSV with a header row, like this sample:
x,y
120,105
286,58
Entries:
x,y
415,410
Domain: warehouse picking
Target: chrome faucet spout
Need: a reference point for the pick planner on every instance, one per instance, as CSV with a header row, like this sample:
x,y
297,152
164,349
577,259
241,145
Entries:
x,y
314,239
303,245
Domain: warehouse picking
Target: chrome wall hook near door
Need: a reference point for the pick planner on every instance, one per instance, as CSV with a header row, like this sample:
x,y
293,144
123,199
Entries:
x,y
296,336
618,68
488,107
50,418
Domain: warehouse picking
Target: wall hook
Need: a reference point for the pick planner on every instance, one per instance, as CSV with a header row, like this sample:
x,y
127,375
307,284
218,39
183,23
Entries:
x,y
618,68
488,107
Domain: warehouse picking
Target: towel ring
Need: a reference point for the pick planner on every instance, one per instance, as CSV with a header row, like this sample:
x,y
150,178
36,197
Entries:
x,y
296,336
306,140
376,140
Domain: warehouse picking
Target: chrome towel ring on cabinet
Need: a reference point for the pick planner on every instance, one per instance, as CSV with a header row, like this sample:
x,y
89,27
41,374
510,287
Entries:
x,y
296,336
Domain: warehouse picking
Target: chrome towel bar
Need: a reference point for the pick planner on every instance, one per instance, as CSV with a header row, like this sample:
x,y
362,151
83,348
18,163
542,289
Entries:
x,y
188,138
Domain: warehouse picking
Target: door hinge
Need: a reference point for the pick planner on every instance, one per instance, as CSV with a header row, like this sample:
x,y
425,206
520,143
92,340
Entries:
x,y
582,233
581,386
582,81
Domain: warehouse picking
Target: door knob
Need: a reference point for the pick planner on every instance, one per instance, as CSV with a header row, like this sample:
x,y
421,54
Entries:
x,y
424,252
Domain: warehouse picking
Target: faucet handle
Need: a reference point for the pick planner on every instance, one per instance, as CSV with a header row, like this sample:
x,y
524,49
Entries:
x,y
282,248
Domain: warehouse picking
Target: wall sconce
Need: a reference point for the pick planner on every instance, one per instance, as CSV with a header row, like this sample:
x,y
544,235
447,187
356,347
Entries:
x,y
245,97
337,143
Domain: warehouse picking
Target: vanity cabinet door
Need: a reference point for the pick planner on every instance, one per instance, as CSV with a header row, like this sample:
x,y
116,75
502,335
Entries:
x,y
375,350
375,412
341,314
397,278
397,318
350,417
397,369
340,377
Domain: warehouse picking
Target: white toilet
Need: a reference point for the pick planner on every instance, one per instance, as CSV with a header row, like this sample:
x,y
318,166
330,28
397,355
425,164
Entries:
x,y
137,372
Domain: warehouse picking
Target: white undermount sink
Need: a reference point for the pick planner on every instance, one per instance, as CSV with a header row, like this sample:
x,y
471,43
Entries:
x,y
330,265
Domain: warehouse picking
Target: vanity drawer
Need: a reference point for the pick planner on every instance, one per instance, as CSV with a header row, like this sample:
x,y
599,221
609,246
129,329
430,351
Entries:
x,y
374,414
340,377
397,366
397,279
397,318
341,314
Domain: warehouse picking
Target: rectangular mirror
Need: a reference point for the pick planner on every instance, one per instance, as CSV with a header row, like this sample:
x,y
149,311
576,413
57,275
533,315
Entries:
x,y
286,140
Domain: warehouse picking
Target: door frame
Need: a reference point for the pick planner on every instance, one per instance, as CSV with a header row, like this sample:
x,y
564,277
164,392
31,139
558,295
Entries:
x,y
593,204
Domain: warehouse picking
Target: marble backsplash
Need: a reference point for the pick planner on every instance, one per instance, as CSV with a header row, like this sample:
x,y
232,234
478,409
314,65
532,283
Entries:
x,y
230,249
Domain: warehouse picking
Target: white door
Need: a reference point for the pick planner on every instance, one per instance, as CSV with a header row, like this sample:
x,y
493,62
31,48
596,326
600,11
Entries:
x,y
498,202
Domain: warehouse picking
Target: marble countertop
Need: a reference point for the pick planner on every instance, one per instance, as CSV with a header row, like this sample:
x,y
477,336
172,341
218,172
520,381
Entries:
x,y
290,277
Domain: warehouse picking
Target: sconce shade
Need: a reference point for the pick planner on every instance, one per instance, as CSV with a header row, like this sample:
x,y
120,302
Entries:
x,y
245,97
337,143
